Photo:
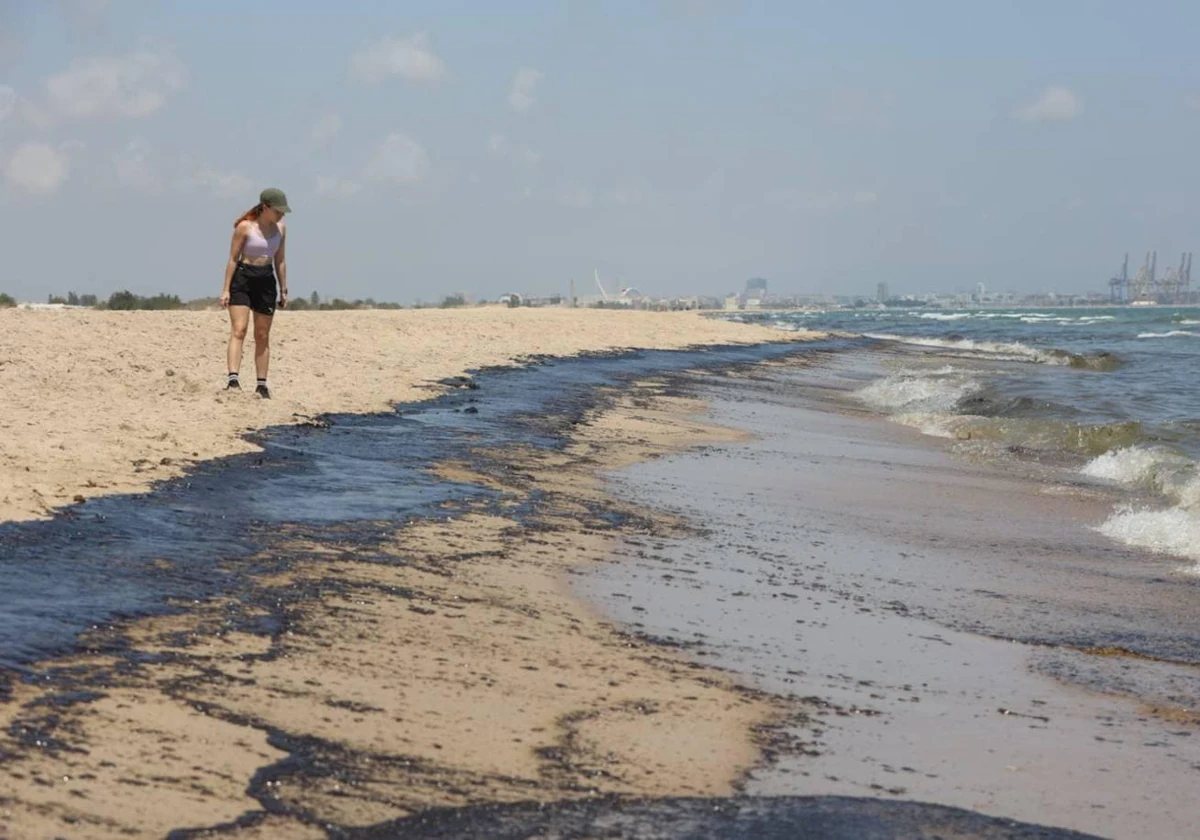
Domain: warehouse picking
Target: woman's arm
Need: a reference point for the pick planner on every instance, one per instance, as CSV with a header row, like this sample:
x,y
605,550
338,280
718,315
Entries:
x,y
235,250
281,265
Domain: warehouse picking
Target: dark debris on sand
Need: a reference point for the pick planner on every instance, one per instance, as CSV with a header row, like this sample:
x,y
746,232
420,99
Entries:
x,y
744,818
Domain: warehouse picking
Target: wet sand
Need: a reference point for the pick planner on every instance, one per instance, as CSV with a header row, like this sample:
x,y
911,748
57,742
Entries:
x,y
97,403
372,666
442,664
953,633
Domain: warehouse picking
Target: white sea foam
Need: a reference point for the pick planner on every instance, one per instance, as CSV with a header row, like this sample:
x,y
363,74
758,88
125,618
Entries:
x,y
1189,322
1135,466
1156,468
1172,531
935,424
1011,351
928,393
1171,334
945,316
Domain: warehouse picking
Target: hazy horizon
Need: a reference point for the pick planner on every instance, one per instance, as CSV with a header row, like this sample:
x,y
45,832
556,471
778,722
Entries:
x,y
679,146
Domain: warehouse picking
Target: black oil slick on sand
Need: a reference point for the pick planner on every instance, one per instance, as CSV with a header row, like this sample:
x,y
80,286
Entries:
x,y
211,531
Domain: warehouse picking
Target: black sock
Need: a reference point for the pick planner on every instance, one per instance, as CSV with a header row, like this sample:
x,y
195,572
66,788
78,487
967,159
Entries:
x,y
233,377
262,382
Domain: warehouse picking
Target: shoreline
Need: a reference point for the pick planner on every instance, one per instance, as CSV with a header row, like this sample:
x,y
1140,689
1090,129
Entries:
x,y
379,677
377,671
955,632
101,403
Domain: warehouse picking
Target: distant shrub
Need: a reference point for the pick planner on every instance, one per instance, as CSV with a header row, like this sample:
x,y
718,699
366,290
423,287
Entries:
x,y
160,302
125,300
74,299
7,301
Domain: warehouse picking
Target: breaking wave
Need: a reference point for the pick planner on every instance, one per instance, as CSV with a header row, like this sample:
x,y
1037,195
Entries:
x,y
955,403
1173,531
1162,471
1007,351
934,392
1171,334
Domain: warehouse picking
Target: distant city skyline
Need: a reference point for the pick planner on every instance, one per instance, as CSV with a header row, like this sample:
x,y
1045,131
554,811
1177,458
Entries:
x,y
679,146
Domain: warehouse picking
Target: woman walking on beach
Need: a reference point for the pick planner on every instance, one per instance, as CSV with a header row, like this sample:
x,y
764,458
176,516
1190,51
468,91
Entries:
x,y
256,259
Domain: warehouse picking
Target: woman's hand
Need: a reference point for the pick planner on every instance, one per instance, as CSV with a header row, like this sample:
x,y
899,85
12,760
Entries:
x,y
282,298
224,300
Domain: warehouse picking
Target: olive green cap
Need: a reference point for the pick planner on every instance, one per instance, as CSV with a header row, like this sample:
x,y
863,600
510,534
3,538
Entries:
x,y
274,198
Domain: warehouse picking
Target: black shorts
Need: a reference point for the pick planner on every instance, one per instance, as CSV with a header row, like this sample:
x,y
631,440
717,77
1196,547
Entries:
x,y
254,286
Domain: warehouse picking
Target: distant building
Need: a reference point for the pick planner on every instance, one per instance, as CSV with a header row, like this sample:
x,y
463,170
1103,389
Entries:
x,y
731,301
881,292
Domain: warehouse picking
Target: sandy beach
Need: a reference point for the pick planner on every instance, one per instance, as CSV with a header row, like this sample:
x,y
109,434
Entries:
x,y
375,627
98,402
443,664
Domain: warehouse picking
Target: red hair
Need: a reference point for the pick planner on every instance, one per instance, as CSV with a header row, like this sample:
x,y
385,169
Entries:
x,y
250,215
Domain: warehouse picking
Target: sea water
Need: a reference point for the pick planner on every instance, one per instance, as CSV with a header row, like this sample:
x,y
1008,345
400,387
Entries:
x,y
1107,394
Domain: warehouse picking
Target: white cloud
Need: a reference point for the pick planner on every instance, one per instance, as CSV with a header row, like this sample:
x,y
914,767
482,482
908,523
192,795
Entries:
x,y
8,100
326,129
225,184
497,145
530,157
339,187
37,169
398,158
1055,104
410,58
520,94
132,85
865,197
135,170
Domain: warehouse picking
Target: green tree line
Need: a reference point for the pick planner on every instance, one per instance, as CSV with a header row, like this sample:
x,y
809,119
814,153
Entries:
x,y
126,300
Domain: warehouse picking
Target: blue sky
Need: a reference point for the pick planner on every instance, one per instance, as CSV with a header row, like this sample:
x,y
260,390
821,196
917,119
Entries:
x,y
677,145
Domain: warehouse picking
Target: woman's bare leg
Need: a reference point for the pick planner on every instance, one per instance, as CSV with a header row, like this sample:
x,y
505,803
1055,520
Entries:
x,y
239,320
262,343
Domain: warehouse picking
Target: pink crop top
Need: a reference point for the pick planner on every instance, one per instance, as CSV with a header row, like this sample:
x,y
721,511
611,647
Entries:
x,y
256,246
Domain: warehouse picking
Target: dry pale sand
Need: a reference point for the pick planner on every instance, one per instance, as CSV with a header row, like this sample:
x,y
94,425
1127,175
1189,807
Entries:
x,y
448,666
106,402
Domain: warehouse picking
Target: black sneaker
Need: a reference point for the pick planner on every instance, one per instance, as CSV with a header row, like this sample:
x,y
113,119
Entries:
x,y
233,385
262,391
